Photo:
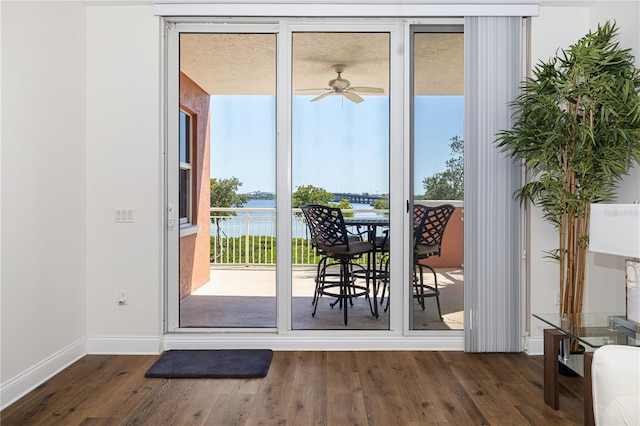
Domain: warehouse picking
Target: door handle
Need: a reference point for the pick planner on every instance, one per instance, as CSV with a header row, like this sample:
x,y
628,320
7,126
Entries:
x,y
171,219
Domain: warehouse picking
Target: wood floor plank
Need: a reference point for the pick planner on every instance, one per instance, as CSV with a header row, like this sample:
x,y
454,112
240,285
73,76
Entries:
x,y
346,409
429,395
451,398
187,402
306,394
307,388
487,396
482,378
270,408
273,400
527,370
395,389
121,390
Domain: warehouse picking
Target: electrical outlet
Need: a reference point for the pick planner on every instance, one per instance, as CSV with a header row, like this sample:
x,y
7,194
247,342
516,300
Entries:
x,y
123,297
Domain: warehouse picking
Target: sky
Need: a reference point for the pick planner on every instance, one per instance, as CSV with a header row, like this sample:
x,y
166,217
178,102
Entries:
x,y
337,145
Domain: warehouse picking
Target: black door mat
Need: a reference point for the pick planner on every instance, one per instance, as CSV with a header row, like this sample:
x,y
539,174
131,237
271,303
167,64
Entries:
x,y
219,363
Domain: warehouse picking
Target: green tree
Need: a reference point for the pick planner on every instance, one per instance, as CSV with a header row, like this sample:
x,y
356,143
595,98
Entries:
x,y
309,194
449,184
344,205
380,204
224,193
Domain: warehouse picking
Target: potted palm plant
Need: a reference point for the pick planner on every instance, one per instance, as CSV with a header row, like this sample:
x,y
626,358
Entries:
x,y
577,132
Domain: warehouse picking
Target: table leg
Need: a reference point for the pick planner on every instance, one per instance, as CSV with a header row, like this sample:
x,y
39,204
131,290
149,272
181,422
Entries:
x,y
552,338
588,395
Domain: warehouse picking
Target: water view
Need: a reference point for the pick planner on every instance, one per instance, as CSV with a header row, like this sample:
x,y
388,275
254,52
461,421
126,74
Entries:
x,y
263,222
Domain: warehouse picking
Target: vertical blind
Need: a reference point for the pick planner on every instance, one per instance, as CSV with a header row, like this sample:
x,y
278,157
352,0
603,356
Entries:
x,y
492,291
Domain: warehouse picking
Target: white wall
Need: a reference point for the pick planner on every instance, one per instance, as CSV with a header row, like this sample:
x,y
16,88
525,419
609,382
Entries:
x,y
559,27
81,136
124,169
43,186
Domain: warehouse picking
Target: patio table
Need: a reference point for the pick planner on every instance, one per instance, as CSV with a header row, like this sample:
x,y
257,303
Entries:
x,y
372,224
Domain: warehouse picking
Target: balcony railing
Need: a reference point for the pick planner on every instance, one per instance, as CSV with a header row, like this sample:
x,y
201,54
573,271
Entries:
x,y
249,237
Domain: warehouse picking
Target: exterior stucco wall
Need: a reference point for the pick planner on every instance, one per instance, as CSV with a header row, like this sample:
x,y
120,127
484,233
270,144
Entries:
x,y
452,254
194,248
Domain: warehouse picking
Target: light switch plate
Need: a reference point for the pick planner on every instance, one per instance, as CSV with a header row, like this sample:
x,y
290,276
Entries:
x,y
124,215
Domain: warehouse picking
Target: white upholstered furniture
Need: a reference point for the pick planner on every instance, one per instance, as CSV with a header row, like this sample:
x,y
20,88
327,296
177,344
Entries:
x,y
616,385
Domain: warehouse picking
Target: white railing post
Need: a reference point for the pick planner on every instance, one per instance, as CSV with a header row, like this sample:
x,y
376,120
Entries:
x,y
246,239
229,226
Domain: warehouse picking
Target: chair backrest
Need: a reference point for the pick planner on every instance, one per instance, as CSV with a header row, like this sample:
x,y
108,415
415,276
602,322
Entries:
x,y
430,223
326,226
419,214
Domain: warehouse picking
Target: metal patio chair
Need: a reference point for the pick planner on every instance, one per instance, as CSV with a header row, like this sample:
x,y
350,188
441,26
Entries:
x,y
429,226
338,248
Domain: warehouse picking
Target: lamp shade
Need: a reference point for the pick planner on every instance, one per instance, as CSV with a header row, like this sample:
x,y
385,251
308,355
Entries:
x,y
615,229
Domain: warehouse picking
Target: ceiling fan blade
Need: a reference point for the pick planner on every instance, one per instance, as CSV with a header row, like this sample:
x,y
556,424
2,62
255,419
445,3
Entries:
x,y
365,89
317,98
353,97
313,89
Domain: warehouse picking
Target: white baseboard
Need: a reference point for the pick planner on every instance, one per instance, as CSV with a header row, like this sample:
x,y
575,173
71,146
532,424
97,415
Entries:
x,y
124,345
536,346
28,380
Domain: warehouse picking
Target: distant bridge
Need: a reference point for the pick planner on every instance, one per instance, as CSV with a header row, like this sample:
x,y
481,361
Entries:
x,y
356,198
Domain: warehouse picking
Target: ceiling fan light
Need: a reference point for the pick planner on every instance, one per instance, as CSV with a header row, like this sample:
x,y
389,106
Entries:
x,y
339,83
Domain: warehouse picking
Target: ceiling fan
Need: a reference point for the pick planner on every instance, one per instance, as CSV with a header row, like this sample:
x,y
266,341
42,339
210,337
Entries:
x,y
342,86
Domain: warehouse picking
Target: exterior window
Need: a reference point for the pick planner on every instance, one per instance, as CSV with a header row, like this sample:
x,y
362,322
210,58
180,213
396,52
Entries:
x,y
186,144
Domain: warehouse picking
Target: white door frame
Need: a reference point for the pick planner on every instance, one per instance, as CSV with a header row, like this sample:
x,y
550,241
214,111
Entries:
x,y
399,336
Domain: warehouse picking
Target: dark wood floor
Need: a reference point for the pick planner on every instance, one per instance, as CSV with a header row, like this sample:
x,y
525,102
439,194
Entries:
x,y
307,388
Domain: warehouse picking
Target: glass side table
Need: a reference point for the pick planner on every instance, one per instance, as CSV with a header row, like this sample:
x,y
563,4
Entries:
x,y
592,330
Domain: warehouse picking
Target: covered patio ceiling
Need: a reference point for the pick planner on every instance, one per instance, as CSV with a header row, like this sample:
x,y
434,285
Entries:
x,y
244,64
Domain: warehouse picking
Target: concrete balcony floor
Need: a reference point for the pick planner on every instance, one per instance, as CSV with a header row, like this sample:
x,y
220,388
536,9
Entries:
x,y
244,297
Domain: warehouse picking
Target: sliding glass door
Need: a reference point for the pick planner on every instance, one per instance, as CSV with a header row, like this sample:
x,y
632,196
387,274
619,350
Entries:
x,y
340,158
436,298
226,234
266,118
